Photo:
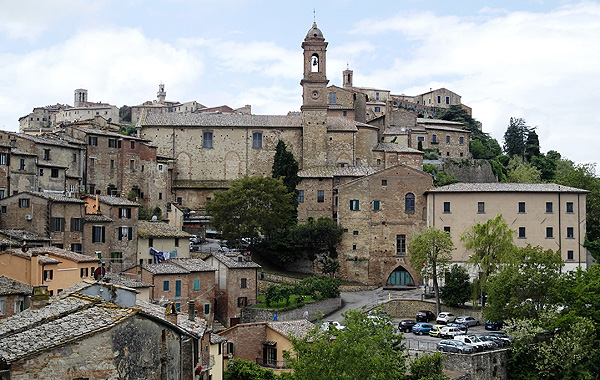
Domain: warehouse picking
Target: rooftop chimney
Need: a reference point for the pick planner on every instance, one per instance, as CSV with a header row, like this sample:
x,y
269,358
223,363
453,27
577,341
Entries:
x,y
171,313
40,296
192,310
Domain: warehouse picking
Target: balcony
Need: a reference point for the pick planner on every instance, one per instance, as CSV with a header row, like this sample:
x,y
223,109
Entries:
x,y
269,363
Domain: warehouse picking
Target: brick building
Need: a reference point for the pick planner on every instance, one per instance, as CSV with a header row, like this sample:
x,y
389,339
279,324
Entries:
x,y
14,296
161,237
236,286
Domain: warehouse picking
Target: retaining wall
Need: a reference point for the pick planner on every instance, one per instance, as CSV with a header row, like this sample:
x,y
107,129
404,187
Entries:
x,y
261,315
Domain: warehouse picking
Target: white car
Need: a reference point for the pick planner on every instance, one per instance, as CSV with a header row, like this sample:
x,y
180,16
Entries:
x,y
449,332
332,325
445,318
477,344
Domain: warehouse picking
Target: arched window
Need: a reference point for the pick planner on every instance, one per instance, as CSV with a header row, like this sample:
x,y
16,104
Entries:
x,y
409,202
400,277
314,63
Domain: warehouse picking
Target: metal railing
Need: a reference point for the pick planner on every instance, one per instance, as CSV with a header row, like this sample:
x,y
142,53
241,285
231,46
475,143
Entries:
x,y
266,362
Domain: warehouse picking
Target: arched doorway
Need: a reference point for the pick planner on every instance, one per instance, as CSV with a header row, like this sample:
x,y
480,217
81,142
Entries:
x,y
400,277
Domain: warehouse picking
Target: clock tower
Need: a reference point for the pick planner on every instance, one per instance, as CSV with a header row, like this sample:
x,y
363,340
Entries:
x,y
314,99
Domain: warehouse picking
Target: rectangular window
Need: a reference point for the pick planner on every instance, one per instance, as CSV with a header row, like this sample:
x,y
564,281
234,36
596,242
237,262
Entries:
x,y
420,138
132,144
447,100
196,284
76,224
384,182
481,207
22,164
570,233
461,140
83,272
207,311
98,235
165,286
92,162
354,205
378,161
401,245
19,304
377,109
3,158
112,143
177,288
242,301
447,139
132,165
332,97
376,205
58,224
125,212
439,99
93,140
243,283
320,196
447,229
434,138
112,164
123,232
77,247
2,307
521,232
355,233
257,140
521,207
344,113
46,154
74,159
569,255
2,194
569,207
116,257
48,275
549,232
54,173
300,196
548,207
376,96
446,207
24,202
207,140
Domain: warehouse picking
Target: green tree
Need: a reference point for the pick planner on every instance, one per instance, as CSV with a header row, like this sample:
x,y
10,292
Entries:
x,y
524,288
457,288
546,166
428,367
238,369
532,145
430,253
367,349
515,137
522,172
285,167
492,246
252,206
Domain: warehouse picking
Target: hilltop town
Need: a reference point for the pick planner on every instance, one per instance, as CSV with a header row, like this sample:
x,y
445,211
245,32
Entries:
x,y
79,186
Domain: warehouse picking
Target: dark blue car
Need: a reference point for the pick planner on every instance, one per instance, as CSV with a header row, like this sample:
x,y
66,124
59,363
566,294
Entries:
x,y
489,325
422,328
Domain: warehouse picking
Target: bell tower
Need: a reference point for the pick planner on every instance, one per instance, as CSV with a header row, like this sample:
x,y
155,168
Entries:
x,y
314,99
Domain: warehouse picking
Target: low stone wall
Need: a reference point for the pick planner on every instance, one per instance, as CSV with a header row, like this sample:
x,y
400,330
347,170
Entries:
x,y
401,308
267,279
491,365
261,315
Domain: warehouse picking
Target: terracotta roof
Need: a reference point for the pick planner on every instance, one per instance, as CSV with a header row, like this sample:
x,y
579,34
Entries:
x,y
165,267
116,201
124,280
391,131
297,328
64,254
24,235
222,120
392,147
50,196
193,265
19,152
232,261
506,187
96,218
334,171
43,259
148,229
9,286
98,131
197,327
439,122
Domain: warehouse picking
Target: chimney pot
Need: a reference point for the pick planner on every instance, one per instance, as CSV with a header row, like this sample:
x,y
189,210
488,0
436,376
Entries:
x,y
192,310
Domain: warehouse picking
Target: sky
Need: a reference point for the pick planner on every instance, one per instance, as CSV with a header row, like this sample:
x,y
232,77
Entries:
x,y
532,59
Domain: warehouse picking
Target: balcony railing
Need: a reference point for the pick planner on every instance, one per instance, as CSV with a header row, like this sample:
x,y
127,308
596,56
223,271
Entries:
x,y
265,362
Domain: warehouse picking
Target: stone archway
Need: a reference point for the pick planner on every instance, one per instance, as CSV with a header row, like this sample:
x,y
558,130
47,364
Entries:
x,y
400,276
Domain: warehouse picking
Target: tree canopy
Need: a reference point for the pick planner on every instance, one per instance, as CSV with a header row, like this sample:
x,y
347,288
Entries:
x,y
457,288
430,253
515,137
285,167
252,206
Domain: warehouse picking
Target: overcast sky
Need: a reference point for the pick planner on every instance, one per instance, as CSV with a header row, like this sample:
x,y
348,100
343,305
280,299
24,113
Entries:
x,y
535,59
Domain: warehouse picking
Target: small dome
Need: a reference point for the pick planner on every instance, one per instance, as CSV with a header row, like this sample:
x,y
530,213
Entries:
x,y
314,32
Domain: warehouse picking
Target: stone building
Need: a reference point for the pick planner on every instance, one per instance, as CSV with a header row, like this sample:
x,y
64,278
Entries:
x,y
100,331
547,215
14,296
111,228
55,216
161,237
264,342
236,286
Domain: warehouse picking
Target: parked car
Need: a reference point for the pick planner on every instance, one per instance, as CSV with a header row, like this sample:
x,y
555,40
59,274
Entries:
x,y
450,332
425,316
467,320
406,325
477,344
502,335
460,326
491,338
332,325
445,317
490,325
435,331
455,346
422,328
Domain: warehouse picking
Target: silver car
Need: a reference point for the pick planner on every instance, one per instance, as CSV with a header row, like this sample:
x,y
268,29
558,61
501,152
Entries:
x,y
467,320
456,346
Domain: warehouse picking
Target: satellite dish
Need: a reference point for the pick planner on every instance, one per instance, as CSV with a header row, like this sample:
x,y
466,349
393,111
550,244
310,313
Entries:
x,y
154,218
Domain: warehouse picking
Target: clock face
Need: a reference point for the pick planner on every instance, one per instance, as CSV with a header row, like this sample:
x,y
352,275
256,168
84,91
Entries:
x,y
314,94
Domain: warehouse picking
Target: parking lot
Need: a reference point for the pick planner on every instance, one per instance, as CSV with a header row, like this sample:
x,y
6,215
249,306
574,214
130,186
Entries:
x,y
429,343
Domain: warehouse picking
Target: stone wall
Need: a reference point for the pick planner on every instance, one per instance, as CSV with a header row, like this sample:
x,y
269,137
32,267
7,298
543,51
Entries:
x,y
261,315
470,170
490,365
